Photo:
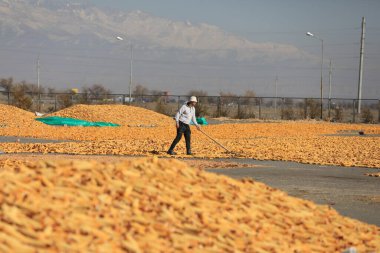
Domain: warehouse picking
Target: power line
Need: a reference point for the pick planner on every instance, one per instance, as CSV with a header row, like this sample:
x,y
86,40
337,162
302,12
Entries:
x,y
142,75
298,31
168,62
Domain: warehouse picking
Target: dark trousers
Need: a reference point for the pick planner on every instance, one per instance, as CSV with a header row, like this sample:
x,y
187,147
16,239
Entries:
x,y
185,130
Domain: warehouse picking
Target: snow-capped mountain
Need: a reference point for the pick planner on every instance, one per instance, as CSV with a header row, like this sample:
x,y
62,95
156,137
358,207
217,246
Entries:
x,y
72,22
76,43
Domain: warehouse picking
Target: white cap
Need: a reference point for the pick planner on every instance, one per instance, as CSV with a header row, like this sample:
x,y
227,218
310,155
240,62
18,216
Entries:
x,y
193,99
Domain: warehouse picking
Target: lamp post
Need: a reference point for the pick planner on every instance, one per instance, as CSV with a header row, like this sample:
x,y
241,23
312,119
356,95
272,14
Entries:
x,y
315,36
330,76
131,69
38,84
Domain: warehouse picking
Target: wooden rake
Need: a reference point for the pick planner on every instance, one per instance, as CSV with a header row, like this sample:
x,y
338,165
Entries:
x,y
218,143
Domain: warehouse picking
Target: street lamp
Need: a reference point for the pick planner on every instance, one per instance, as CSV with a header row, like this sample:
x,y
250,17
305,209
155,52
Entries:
x,y
315,36
38,84
131,69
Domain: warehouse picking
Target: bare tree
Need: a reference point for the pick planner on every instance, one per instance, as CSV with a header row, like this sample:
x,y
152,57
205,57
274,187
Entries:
x,y
140,90
65,99
20,98
95,92
248,97
227,97
98,91
6,84
21,93
156,95
156,92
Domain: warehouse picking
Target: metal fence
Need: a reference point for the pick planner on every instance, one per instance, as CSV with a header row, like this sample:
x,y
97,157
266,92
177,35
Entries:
x,y
265,108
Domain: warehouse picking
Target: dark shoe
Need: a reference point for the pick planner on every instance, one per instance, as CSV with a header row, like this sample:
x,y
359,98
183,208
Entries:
x,y
189,153
171,152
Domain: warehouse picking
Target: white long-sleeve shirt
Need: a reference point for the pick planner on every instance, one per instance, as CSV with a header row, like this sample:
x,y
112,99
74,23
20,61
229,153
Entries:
x,y
186,114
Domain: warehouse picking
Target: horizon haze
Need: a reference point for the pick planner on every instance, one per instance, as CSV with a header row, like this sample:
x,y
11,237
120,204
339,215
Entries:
x,y
178,46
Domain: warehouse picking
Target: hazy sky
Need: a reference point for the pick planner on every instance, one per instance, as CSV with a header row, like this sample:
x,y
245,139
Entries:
x,y
284,21
178,70
338,22
280,20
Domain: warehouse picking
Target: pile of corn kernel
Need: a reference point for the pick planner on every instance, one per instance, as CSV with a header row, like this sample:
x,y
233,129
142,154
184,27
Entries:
x,y
152,205
144,132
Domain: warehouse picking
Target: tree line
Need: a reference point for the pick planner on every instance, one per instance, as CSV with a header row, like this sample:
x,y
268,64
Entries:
x,y
25,95
21,94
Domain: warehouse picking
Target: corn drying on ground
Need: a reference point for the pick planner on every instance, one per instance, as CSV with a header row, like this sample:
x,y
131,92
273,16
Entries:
x,y
147,133
152,205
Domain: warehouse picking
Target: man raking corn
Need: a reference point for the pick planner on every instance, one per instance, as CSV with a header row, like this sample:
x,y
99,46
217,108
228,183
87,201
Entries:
x,y
183,117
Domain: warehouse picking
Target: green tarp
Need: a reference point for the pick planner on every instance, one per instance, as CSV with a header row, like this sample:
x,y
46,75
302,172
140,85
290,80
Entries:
x,y
202,121
60,121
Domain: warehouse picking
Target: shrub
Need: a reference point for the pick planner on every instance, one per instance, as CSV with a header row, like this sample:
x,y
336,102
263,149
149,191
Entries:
x,y
222,111
163,108
287,113
65,100
50,109
20,99
338,114
244,112
367,116
201,109
314,108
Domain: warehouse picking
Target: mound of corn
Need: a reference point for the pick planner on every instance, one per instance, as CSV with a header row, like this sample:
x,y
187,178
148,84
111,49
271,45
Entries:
x,y
151,205
16,118
119,114
343,151
289,141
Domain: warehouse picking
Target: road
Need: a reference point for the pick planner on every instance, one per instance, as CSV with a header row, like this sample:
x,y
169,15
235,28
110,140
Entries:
x,y
12,139
346,189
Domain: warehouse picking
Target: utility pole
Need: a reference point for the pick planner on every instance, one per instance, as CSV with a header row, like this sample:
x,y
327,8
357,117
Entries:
x,y
131,69
360,83
330,76
38,83
315,36
131,76
275,101
322,82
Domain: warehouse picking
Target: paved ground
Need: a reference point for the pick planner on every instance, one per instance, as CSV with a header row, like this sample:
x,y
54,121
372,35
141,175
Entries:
x,y
218,121
353,133
346,189
9,139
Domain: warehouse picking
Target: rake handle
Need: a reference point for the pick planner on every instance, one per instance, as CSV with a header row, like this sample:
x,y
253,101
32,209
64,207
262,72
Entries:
x,y
214,140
